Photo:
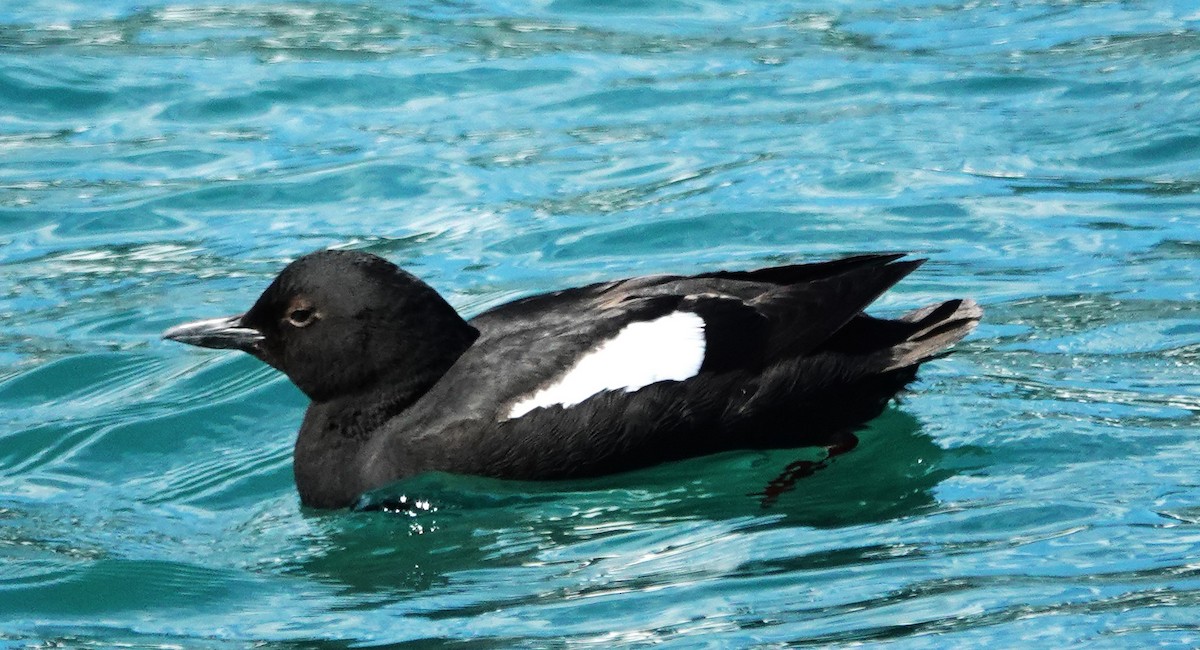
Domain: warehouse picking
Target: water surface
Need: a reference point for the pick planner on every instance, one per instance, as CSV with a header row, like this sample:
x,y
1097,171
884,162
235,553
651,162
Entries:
x,y
161,162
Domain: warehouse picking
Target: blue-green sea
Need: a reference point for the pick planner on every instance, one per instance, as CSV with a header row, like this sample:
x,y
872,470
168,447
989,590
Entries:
x,y
1039,487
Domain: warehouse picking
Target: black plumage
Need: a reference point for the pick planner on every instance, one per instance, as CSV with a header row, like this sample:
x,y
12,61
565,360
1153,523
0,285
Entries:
x,y
400,384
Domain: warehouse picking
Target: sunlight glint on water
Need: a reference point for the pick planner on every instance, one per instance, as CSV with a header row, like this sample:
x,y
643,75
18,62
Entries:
x,y
161,163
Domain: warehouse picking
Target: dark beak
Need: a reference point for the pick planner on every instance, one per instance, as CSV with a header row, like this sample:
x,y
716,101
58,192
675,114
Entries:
x,y
221,333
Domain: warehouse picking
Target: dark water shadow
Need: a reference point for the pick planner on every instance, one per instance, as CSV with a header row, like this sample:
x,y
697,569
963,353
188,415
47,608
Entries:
x,y
419,533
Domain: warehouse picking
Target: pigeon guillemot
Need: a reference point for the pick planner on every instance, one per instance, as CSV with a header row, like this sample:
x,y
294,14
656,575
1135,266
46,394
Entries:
x,y
579,382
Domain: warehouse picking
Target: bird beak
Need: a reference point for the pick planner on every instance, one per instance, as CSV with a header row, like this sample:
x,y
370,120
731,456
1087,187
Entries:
x,y
221,333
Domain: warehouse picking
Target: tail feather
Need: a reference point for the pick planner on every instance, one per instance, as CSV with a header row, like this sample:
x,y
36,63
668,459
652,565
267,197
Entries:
x,y
938,327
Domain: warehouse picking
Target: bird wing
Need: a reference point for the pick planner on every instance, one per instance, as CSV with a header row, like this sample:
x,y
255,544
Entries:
x,y
618,334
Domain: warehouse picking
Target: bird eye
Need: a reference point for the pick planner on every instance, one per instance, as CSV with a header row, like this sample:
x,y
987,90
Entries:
x,y
302,316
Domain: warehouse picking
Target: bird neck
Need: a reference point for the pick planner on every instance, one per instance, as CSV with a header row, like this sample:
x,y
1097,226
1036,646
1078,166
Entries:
x,y
326,458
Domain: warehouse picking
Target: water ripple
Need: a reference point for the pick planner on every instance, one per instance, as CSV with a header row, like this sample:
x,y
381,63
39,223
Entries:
x,y
164,160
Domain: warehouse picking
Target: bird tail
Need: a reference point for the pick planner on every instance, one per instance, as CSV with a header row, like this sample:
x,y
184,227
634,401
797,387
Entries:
x,y
937,327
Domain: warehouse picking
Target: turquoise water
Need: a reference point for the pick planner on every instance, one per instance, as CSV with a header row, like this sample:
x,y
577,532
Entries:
x,y
160,163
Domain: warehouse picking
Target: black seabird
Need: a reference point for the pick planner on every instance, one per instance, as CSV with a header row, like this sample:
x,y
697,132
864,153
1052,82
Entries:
x,y
579,382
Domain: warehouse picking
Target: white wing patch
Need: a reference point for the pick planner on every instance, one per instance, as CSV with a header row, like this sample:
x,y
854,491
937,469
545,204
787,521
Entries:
x,y
666,348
